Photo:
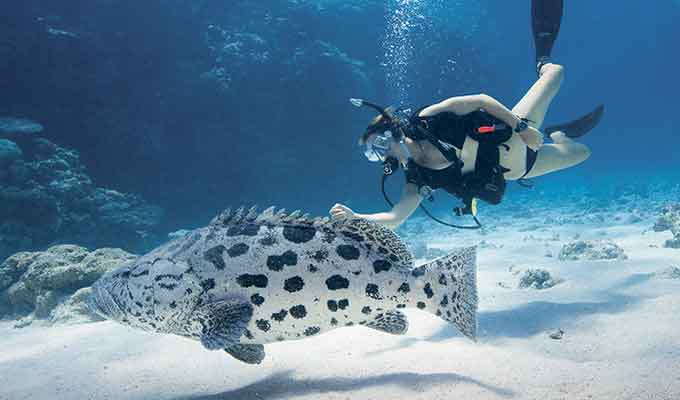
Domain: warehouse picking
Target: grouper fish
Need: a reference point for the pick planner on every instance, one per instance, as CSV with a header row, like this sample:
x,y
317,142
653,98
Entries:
x,y
253,278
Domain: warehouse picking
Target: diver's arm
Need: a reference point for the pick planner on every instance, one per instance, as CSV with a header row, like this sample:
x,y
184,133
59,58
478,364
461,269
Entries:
x,y
409,201
462,105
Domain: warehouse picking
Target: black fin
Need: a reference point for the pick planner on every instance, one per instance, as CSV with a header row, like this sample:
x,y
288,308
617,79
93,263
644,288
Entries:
x,y
546,18
248,353
222,322
392,322
580,126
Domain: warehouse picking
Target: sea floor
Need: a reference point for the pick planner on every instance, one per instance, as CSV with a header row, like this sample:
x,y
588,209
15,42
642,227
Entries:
x,y
621,340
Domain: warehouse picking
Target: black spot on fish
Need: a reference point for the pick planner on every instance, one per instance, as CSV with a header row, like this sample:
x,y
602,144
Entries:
x,y
421,305
208,284
373,291
366,310
170,286
142,273
238,249
439,313
334,321
125,274
276,263
247,280
257,299
173,305
248,334
168,276
417,272
337,282
279,316
138,304
445,301
442,280
246,230
214,256
298,311
381,265
332,305
342,304
404,288
299,234
394,258
348,252
350,323
312,330
320,255
401,305
329,236
188,291
356,273
382,250
312,268
354,236
268,240
294,284
448,314
263,325
428,291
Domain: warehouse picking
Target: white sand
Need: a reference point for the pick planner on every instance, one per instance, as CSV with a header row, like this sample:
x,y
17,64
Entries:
x,y
621,341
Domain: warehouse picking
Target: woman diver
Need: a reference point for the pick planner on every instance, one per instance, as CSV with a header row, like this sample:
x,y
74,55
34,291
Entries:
x,y
471,145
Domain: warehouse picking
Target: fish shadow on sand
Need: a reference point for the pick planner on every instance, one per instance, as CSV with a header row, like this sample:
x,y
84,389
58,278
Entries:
x,y
283,385
527,320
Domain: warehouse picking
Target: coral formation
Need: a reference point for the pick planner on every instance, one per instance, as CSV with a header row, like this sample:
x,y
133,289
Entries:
x,y
47,198
537,279
592,250
49,284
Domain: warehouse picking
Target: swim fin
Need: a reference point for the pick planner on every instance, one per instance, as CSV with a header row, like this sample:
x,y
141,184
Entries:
x,y
546,17
580,126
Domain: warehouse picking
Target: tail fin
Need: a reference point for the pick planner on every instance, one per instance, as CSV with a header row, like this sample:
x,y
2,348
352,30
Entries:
x,y
580,126
450,288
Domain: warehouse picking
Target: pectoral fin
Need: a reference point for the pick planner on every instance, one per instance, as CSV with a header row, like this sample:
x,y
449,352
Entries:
x,y
221,323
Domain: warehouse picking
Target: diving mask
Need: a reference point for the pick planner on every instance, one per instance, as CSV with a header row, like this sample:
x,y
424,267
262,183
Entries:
x,y
376,149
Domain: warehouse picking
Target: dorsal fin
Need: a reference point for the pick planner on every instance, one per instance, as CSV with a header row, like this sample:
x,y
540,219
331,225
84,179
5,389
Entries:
x,y
369,234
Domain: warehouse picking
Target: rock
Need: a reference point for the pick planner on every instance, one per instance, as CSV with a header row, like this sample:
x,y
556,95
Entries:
x,y
43,281
673,243
46,197
10,125
592,250
9,152
669,220
557,335
75,309
669,273
537,279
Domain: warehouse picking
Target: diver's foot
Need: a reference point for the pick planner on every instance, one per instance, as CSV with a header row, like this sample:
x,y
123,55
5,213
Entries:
x,y
559,137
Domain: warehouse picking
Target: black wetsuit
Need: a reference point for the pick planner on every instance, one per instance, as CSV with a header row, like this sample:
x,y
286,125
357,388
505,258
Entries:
x,y
486,182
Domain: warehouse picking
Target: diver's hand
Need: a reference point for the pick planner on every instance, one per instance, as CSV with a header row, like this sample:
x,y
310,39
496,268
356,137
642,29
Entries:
x,y
339,211
532,137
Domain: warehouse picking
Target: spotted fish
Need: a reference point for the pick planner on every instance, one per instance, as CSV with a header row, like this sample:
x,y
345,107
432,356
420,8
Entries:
x,y
249,279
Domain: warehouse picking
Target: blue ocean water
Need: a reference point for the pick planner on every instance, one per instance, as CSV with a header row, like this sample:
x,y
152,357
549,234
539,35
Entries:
x,y
196,105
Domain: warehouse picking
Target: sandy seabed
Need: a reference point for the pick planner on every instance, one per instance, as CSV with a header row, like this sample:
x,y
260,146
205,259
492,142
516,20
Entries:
x,y
621,340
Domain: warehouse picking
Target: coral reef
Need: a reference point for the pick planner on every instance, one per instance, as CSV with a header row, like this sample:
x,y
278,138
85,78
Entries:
x,y
10,126
47,198
537,279
49,284
592,250
669,220
668,273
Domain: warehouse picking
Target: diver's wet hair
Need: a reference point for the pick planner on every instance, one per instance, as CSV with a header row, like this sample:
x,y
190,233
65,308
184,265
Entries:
x,y
377,125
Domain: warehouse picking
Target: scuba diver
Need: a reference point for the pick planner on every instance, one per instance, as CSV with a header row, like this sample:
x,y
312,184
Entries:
x,y
471,145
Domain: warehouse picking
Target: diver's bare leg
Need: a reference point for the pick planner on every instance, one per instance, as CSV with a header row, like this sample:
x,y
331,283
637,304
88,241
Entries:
x,y
564,153
535,102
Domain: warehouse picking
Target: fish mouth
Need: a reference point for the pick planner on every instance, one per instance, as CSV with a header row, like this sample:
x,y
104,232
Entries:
x,y
102,302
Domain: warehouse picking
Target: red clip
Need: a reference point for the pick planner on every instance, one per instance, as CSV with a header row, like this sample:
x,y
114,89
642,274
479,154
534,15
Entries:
x,y
486,129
